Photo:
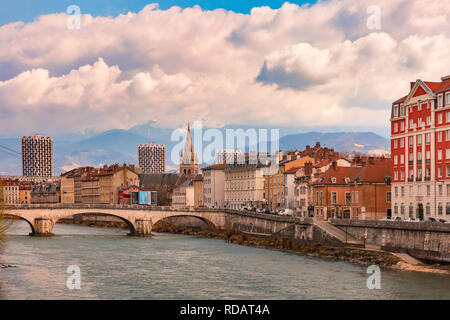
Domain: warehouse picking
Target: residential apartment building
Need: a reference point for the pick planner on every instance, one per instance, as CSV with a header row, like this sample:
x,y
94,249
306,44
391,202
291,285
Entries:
x,y
152,157
214,185
420,151
244,185
360,193
199,195
183,195
10,192
162,183
97,185
37,156
47,192
275,187
228,156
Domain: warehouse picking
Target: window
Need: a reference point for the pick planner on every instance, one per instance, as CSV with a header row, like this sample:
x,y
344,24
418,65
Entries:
x,y
396,191
447,153
411,124
347,198
402,158
395,126
411,210
419,155
439,172
448,189
402,142
439,154
402,126
428,155
395,159
402,175
428,190
440,189
356,196
411,156
428,138
439,136
388,196
395,144
411,140
403,191
447,208
428,209
419,122
440,208
439,118
402,209
447,135
334,197
448,171
419,139
428,120
395,175
440,100
447,98
395,209
447,116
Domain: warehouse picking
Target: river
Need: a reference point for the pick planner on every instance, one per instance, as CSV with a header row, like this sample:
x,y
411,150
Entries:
x,y
166,266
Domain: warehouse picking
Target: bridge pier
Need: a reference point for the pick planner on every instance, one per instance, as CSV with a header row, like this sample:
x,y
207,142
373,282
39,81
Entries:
x,y
43,227
143,227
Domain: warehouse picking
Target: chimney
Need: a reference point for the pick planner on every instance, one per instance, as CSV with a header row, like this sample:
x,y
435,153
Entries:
x,y
308,168
334,165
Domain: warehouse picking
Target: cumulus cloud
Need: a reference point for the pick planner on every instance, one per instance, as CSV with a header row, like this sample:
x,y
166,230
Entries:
x,y
298,65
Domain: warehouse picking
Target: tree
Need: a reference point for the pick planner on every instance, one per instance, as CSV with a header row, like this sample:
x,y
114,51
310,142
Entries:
x,y
2,225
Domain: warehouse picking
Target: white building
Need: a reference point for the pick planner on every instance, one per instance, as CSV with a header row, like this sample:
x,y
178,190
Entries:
x,y
214,186
244,185
152,157
228,156
37,156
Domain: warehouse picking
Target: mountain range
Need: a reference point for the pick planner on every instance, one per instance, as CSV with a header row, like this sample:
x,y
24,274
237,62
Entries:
x,y
120,146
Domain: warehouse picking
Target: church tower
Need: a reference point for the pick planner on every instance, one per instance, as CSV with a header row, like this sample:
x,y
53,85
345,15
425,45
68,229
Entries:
x,y
188,159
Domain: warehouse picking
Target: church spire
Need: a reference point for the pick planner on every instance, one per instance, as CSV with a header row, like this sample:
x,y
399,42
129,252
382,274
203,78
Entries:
x,y
189,161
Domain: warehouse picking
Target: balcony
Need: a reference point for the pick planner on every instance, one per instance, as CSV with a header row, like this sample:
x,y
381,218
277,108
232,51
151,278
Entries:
x,y
419,162
419,179
411,163
428,161
410,179
427,178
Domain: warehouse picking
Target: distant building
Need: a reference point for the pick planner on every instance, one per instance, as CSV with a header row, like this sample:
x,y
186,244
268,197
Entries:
x,y
228,156
10,193
47,192
97,185
214,185
162,183
184,195
152,157
198,191
244,185
420,151
188,159
37,156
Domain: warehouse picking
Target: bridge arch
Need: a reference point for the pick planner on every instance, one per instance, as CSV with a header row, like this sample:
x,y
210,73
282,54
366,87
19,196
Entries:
x,y
11,215
209,223
130,225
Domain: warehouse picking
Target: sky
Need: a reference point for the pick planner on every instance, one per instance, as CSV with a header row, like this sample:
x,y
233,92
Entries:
x,y
336,63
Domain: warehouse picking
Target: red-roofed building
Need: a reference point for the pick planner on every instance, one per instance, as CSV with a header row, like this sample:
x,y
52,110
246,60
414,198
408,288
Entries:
x,y
420,151
361,193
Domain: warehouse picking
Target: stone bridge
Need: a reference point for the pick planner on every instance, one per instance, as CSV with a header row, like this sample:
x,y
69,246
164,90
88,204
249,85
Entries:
x,y
139,219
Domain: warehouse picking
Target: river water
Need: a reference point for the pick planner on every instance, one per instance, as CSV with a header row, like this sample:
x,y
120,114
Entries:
x,y
114,266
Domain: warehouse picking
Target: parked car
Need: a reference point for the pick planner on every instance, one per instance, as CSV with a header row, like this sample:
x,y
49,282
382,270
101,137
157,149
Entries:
x,y
393,218
412,220
286,212
429,219
443,221
266,211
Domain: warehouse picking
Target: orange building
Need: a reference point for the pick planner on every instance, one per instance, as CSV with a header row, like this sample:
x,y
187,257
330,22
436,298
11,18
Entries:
x,y
360,193
25,194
